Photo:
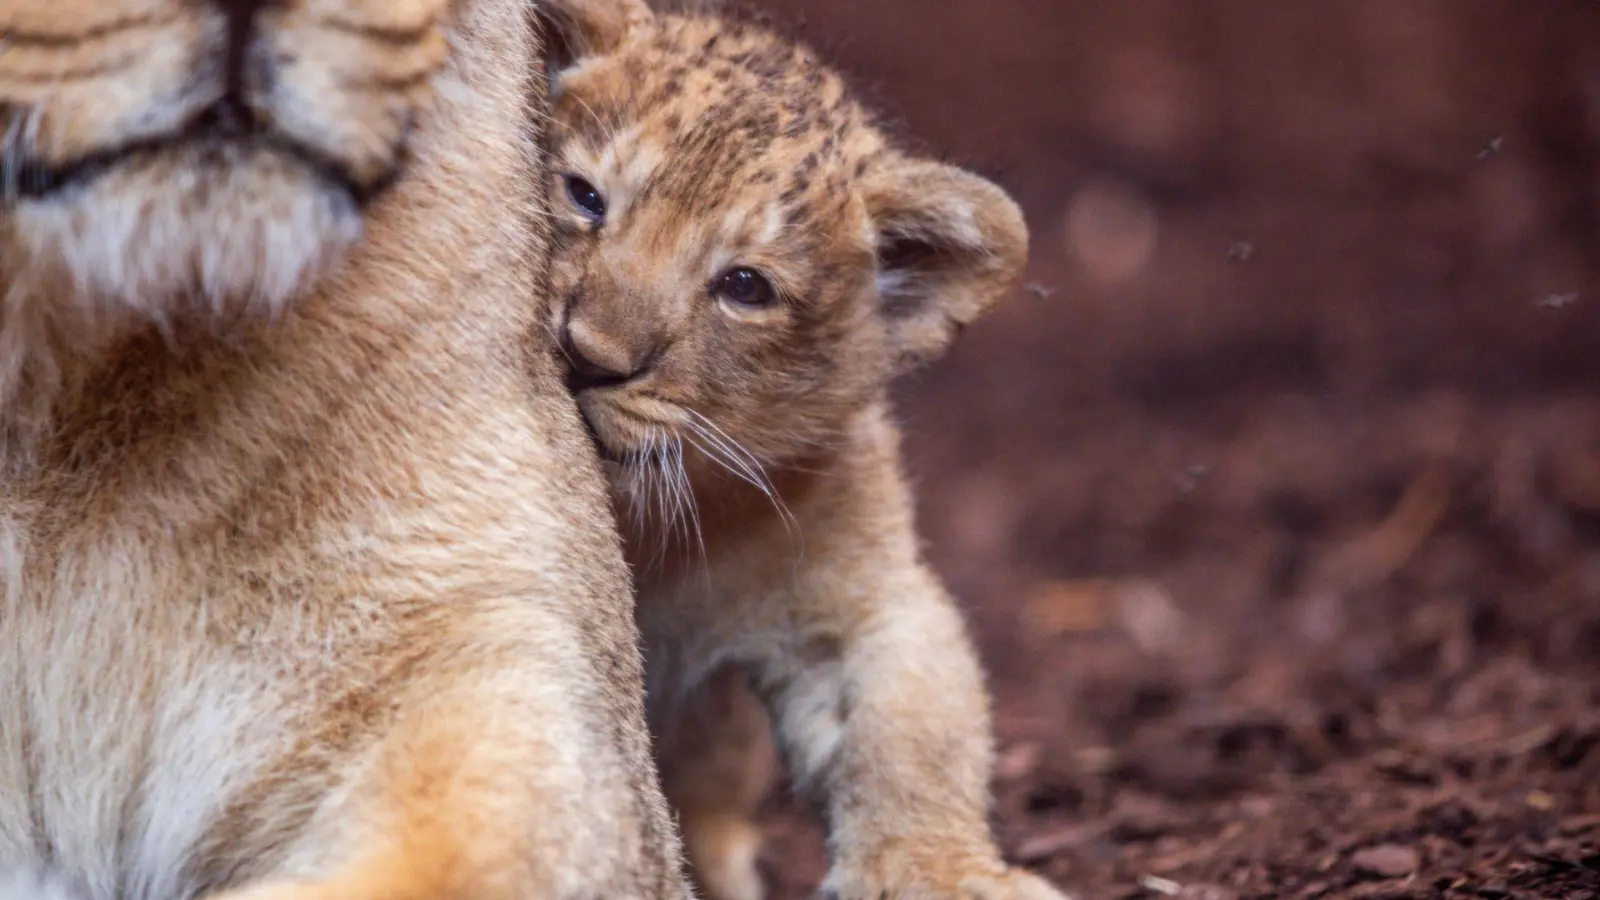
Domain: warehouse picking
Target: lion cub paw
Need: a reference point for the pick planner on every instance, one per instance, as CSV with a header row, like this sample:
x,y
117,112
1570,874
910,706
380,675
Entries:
x,y
941,882
722,855
1013,884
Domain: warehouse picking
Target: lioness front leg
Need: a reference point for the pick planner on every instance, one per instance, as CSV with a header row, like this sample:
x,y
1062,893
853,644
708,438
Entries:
x,y
493,779
885,717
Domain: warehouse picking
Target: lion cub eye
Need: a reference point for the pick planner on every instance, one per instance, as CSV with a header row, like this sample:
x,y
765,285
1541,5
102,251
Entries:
x,y
744,287
586,197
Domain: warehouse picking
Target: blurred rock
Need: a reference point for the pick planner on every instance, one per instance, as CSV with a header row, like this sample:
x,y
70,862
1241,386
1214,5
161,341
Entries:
x,y
1386,860
1111,231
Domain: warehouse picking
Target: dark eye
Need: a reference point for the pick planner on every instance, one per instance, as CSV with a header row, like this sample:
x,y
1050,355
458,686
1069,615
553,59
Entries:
x,y
745,287
586,197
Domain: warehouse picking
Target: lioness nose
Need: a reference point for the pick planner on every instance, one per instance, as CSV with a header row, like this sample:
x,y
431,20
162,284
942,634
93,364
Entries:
x,y
599,361
241,9
241,28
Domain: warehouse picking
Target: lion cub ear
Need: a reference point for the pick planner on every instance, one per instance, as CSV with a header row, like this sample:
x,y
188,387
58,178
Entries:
x,y
949,245
575,29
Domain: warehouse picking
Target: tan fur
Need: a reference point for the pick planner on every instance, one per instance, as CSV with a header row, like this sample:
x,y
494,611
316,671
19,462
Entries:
x,y
308,582
753,456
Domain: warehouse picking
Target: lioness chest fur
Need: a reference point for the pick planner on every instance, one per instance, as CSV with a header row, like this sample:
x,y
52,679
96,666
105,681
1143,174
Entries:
x,y
743,264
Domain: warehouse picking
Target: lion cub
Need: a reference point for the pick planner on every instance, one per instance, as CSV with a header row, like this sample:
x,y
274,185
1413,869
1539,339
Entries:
x,y
743,265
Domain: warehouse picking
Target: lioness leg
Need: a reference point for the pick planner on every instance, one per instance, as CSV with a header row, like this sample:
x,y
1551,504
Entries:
x,y
480,788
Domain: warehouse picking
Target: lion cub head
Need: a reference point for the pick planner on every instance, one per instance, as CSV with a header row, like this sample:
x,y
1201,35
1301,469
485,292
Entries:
x,y
744,261
161,154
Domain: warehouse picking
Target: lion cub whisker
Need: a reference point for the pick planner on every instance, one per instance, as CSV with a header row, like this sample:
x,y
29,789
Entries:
x,y
728,453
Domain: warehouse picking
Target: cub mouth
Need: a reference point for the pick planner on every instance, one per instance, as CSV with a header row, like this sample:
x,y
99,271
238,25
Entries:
x,y
651,454
600,446
215,137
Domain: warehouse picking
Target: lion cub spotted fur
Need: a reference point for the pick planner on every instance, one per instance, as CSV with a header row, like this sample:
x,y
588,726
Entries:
x,y
743,264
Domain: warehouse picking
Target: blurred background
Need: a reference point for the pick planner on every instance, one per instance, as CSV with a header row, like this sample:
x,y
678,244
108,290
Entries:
x,y
1274,495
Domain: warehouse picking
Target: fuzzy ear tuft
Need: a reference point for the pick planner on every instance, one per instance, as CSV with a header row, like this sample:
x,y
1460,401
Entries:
x,y
575,29
950,244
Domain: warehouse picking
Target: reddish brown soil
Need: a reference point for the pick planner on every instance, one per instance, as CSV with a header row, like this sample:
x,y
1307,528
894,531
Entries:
x,y
1275,500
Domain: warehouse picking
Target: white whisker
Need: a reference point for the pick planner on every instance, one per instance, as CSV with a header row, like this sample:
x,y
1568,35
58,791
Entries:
x,y
656,448
21,131
690,512
694,511
732,456
735,455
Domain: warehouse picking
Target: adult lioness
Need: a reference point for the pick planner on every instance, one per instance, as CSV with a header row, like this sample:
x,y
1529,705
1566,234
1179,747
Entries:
x,y
307,588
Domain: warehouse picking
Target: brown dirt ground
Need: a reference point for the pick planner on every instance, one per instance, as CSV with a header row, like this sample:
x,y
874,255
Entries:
x,y
1275,498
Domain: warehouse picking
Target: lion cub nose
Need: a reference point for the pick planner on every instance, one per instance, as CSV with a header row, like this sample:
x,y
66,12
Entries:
x,y
599,361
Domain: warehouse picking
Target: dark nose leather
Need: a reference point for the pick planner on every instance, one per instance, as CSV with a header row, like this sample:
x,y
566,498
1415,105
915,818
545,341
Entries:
x,y
242,9
242,16
584,372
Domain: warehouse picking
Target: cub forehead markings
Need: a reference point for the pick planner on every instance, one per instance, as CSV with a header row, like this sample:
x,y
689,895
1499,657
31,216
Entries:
x,y
624,165
772,224
630,160
734,236
643,156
